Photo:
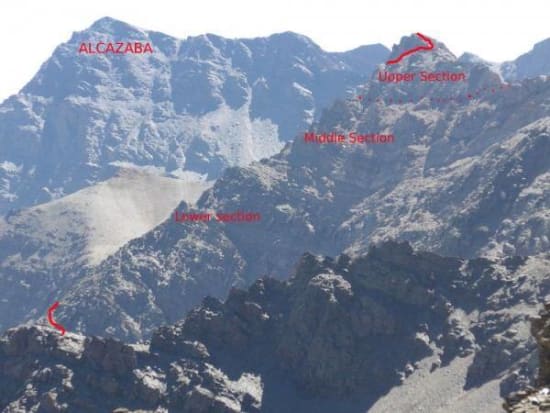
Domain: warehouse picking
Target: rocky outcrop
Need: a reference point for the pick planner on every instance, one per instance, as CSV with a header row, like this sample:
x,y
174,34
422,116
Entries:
x,y
337,336
535,400
541,331
41,370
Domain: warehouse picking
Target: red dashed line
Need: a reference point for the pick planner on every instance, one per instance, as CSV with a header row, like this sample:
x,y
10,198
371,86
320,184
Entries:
x,y
470,95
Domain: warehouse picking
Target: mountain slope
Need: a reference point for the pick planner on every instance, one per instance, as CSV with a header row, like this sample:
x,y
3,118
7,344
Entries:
x,y
336,337
463,178
199,104
44,247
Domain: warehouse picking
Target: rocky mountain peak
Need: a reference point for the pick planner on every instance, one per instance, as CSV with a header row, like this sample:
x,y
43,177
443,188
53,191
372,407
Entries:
x,y
199,104
533,63
543,45
112,26
436,73
439,53
290,37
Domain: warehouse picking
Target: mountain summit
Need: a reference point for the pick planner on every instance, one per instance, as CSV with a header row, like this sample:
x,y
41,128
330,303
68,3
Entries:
x,y
199,104
438,52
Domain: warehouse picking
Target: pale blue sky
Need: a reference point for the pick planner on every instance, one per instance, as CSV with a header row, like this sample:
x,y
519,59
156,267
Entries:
x,y
496,30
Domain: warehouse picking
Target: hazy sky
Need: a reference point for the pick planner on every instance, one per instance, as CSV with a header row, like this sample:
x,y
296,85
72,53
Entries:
x,y
496,30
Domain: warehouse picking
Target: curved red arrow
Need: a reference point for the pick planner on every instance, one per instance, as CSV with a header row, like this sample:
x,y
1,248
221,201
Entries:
x,y
429,46
52,321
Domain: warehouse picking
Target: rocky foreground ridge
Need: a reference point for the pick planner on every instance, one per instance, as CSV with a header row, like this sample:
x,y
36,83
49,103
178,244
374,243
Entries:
x,y
337,336
536,400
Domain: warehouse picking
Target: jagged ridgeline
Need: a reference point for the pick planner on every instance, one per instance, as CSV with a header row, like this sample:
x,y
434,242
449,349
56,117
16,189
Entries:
x,y
210,127
386,331
196,105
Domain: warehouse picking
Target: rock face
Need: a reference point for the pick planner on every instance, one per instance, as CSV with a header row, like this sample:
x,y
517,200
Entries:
x,y
536,400
44,248
534,63
74,373
464,178
531,64
337,336
541,331
199,104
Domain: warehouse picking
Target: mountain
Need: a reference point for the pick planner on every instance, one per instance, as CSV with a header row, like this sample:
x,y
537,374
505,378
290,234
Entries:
x,y
43,248
198,104
337,336
462,172
531,64
534,63
467,175
471,58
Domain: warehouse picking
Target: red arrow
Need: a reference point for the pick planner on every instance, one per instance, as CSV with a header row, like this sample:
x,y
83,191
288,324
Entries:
x,y
52,321
429,46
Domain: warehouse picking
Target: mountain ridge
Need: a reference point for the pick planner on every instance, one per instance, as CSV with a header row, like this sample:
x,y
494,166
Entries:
x,y
336,205
465,176
199,104
311,343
